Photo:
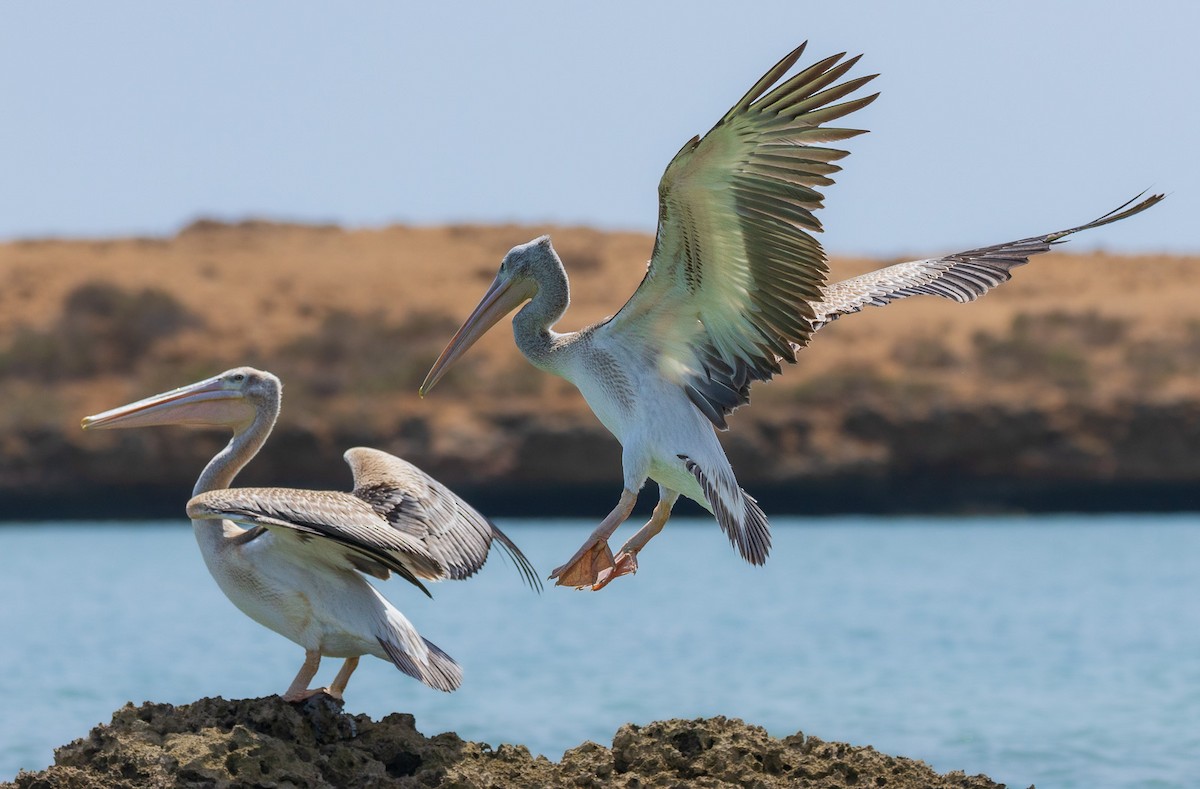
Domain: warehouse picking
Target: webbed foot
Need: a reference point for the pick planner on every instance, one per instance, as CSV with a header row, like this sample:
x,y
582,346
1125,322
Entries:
x,y
584,569
625,564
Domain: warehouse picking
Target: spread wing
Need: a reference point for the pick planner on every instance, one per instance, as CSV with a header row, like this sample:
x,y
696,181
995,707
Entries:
x,y
962,277
735,266
325,526
417,505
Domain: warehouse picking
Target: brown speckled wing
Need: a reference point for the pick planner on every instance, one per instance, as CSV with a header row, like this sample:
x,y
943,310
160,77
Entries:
x,y
331,527
416,504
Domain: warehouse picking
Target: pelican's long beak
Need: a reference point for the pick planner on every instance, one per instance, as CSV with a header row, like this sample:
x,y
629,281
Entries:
x,y
504,296
206,403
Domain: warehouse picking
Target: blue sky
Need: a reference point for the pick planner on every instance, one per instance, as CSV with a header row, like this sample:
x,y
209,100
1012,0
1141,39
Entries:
x,y
997,120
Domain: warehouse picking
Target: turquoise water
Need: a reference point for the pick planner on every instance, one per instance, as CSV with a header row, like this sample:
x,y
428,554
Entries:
x,y
1061,651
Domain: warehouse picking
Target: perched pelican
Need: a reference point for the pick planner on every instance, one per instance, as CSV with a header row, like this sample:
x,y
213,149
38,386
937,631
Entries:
x,y
736,285
298,569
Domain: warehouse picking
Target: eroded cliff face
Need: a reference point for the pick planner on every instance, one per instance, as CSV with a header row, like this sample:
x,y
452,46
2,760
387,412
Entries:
x,y
1075,386
860,458
269,743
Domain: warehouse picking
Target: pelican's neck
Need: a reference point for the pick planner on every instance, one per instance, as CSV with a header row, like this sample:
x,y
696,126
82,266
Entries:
x,y
533,325
221,470
240,450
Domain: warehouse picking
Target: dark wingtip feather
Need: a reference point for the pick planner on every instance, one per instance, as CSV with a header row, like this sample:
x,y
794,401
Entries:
x,y
707,407
1123,211
770,78
525,567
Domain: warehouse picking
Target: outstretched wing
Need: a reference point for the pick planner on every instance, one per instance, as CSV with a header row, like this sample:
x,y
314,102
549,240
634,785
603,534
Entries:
x,y
735,266
326,526
962,277
417,505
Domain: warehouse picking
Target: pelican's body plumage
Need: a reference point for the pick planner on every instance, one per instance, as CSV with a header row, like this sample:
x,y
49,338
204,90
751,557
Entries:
x,y
328,609
299,567
664,437
735,287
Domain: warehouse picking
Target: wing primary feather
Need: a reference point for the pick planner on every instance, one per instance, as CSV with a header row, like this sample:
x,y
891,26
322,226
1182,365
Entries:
x,y
522,563
805,91
707,407
770,78
835,111
806,82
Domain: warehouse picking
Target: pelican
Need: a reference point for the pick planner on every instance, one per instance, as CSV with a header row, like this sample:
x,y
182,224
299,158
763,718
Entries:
x,y
736,285
299,568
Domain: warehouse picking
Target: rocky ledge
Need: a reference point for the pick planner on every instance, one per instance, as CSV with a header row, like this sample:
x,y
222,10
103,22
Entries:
x,y
269,743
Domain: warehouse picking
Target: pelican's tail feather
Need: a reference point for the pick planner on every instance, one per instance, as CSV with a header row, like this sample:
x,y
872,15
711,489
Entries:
x,y
742,520
436,669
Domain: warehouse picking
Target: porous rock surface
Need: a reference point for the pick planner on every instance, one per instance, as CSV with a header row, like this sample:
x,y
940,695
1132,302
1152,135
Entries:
x,y
269,743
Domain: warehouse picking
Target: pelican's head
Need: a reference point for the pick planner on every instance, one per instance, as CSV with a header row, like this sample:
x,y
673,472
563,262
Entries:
x,y
233,399
524,270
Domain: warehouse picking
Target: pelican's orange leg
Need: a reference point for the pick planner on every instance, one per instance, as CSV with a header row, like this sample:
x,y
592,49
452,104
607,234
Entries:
x,y
626,561
343,676
298,691
594,557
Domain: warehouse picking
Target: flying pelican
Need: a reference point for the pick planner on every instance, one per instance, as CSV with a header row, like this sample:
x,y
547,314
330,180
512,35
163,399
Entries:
x,y
299,568
735,287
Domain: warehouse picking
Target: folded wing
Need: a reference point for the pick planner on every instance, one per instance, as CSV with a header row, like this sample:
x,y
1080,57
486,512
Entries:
x,y
416,504
327,526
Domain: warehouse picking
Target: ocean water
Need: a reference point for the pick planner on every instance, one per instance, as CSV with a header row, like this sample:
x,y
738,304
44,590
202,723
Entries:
x,y
1056,651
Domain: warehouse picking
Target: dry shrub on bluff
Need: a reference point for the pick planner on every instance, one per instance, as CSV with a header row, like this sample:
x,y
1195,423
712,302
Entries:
x,y
1051,347
1082,329
847,383
102,329
518,378
365,354
1155,361
925,353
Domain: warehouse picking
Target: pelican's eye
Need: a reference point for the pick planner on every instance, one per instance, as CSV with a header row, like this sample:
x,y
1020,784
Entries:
x,y
237,378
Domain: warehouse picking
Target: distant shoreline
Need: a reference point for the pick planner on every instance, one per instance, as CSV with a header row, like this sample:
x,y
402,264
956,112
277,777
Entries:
x,y
1073,388
848,496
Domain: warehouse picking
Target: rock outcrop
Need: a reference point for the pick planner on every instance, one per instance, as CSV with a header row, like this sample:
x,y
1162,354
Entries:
x,y
269,743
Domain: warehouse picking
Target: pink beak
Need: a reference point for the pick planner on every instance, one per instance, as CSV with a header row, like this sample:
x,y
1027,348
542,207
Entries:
x,y
502,297
209,402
